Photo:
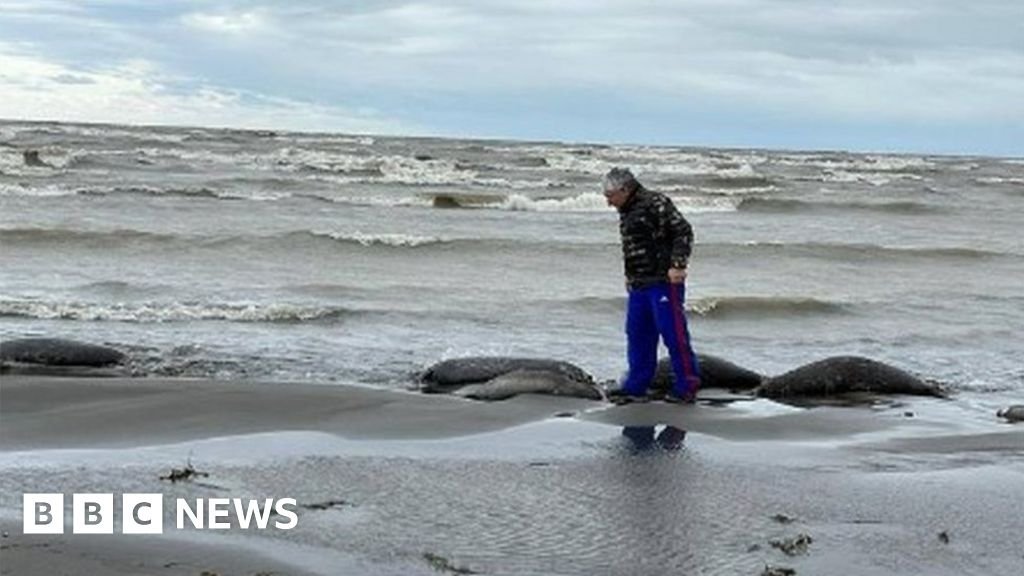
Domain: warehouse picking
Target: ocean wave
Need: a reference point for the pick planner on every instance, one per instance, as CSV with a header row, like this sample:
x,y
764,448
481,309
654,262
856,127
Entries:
x,y
857,163
393,240
38,161
657,163
425,178
373,201
999,180
745,182
761,307
840,252
162,312
29,236
719,308
783,205
49,190
196,192
348,168
872,178
53,190
293,241
585,202
119,237
188,192
93,131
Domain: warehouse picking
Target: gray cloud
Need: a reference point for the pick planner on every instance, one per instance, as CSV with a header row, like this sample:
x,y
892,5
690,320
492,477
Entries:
x,y
933,62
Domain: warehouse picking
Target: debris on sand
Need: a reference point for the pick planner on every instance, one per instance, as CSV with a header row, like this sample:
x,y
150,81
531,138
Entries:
x,y
795,546
185,474
783,519
442,564
327,504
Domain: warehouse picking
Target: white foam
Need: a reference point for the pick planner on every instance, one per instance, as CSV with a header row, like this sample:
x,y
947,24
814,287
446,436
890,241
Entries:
x,y
867,163
405,170
739,192
704,204
844,177
1000,180
159,312
596,203
586,202
38,191
12,161
382,201
238,158
261,196
398,240
520,184
138,134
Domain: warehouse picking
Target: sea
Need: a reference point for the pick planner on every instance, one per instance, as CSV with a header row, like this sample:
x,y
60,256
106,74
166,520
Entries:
x,y
358,259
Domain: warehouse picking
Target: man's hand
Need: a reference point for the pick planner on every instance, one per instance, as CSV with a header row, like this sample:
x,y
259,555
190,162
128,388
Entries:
x,y
676,275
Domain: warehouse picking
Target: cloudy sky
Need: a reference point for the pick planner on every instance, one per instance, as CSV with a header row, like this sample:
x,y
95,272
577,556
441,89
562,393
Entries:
x,y
902,75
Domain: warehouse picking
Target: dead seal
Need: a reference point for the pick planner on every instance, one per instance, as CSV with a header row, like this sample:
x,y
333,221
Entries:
x,y
846,374
32,159
715,372
449,375
525,381
1013,413
57,352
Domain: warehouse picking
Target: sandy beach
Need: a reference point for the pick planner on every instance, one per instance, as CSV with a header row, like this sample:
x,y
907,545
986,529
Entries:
x,y
394,482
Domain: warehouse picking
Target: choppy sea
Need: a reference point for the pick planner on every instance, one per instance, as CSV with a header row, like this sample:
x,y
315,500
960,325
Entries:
x,y
362,259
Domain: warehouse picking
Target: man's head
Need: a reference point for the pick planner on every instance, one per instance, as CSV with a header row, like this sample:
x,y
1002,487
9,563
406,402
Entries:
x,y
619,184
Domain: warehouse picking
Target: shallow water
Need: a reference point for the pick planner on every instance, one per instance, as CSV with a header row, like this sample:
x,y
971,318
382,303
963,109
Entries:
x,y
565,497
320,257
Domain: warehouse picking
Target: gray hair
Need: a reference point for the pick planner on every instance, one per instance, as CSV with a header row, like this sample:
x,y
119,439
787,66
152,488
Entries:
x,y
618,178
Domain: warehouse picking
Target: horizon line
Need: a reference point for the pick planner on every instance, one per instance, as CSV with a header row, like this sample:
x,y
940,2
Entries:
x,y
492,138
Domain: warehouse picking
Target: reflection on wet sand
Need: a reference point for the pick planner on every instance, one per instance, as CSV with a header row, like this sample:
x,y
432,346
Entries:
x,y
643,438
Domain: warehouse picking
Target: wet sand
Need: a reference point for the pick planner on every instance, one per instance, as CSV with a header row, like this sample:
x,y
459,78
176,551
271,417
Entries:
x,y
384,478
54,412
139,556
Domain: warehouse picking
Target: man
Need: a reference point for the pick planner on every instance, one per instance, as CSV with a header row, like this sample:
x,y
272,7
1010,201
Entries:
x,y
656,246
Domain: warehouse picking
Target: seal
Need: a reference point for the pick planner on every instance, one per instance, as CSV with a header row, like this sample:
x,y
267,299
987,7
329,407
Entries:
x,y
58,352
449,375
715,372
32,159
845,374
525,381
1014,413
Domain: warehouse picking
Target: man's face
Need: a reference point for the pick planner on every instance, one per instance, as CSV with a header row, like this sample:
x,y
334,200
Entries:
x,y
616,197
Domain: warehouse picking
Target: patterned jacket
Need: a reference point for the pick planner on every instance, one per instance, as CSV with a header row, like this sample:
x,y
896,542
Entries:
x,y
655,237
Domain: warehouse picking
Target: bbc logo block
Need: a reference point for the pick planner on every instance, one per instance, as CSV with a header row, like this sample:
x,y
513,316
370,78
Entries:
x,y
43,514
144,513
93,514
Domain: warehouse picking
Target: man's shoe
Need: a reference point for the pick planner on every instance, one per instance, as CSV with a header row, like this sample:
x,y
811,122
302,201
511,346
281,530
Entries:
x,y
656,394
622,397
688,398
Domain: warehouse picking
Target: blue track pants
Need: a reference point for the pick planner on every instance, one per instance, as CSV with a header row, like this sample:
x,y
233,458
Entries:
x,y
651,312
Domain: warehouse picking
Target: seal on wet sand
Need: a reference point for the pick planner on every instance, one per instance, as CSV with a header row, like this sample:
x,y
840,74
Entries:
x,y
846,374
58,352
1013,413
525,381
449,375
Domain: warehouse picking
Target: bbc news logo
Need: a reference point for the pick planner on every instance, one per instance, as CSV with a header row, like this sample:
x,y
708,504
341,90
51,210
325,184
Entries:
x,y
144,513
